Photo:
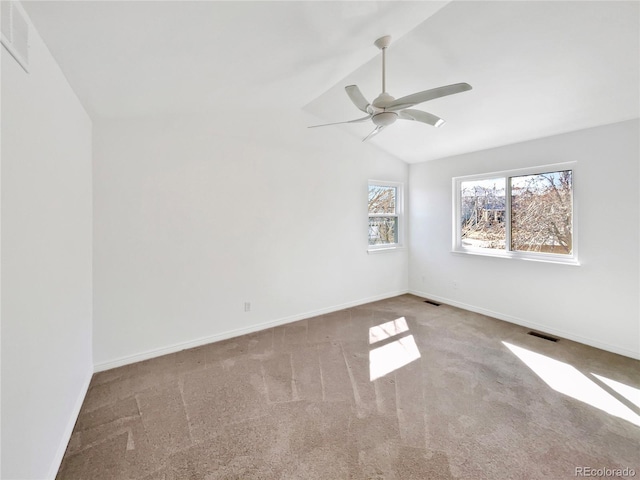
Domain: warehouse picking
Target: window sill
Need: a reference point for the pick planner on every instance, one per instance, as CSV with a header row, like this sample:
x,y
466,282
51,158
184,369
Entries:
x,y
372,251
544,258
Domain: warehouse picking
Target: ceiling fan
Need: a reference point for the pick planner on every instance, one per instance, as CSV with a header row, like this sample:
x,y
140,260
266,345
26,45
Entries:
x,y
385,109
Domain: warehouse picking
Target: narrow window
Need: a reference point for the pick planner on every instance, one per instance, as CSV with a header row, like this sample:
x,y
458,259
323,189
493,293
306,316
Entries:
x,y
385,211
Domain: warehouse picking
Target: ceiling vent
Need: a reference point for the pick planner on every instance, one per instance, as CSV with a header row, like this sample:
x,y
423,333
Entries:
x,y
15,33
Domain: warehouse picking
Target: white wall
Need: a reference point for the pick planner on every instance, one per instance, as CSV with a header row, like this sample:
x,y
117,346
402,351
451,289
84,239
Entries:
x,y
194,216
595,303
46,263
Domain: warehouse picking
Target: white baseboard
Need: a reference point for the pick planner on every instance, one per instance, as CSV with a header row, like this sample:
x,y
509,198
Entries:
x,y
529,324
157,352
64,441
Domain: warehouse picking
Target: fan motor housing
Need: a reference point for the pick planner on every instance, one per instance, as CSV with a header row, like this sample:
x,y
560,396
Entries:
x,y
384,119
383,100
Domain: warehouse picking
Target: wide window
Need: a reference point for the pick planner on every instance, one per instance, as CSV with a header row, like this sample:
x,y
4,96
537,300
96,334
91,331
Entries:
x,y
527,213
385,215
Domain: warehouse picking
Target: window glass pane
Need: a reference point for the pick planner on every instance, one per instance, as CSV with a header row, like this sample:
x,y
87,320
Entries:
x,y
382,199
383,230
483,213
541,212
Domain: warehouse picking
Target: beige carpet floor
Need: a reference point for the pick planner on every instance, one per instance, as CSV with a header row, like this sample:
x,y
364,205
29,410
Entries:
x,y
396,389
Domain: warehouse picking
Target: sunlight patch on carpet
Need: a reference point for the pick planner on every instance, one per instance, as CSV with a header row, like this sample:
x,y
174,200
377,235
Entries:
x,y
630,393
392,356
567,380
388,330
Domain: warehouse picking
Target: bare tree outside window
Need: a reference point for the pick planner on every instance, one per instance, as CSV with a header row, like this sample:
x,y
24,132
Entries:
x,y
383,217
483,213
541,212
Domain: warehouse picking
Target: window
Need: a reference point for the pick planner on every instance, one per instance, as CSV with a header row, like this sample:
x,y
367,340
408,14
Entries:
x,y
526,213
385,215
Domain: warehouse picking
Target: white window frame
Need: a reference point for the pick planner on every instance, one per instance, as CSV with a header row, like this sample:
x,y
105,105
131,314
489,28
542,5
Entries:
x,y
399,214
457,246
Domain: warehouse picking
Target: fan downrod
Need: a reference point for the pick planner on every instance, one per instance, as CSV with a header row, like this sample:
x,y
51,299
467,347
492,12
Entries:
x,y
382,43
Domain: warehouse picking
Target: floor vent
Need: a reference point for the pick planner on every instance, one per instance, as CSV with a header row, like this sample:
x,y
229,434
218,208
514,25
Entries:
x,y
431,302
542,335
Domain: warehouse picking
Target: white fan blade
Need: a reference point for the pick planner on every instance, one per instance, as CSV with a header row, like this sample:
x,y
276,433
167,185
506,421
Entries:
x,y
338,123
420,116
376,131
425,96
357,98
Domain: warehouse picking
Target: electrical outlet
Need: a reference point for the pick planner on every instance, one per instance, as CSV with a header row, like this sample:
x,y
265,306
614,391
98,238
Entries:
x,y
247,306
424,279
454,284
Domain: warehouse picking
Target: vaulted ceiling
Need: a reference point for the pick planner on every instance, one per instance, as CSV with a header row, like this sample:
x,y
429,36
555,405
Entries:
x,y
537,68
